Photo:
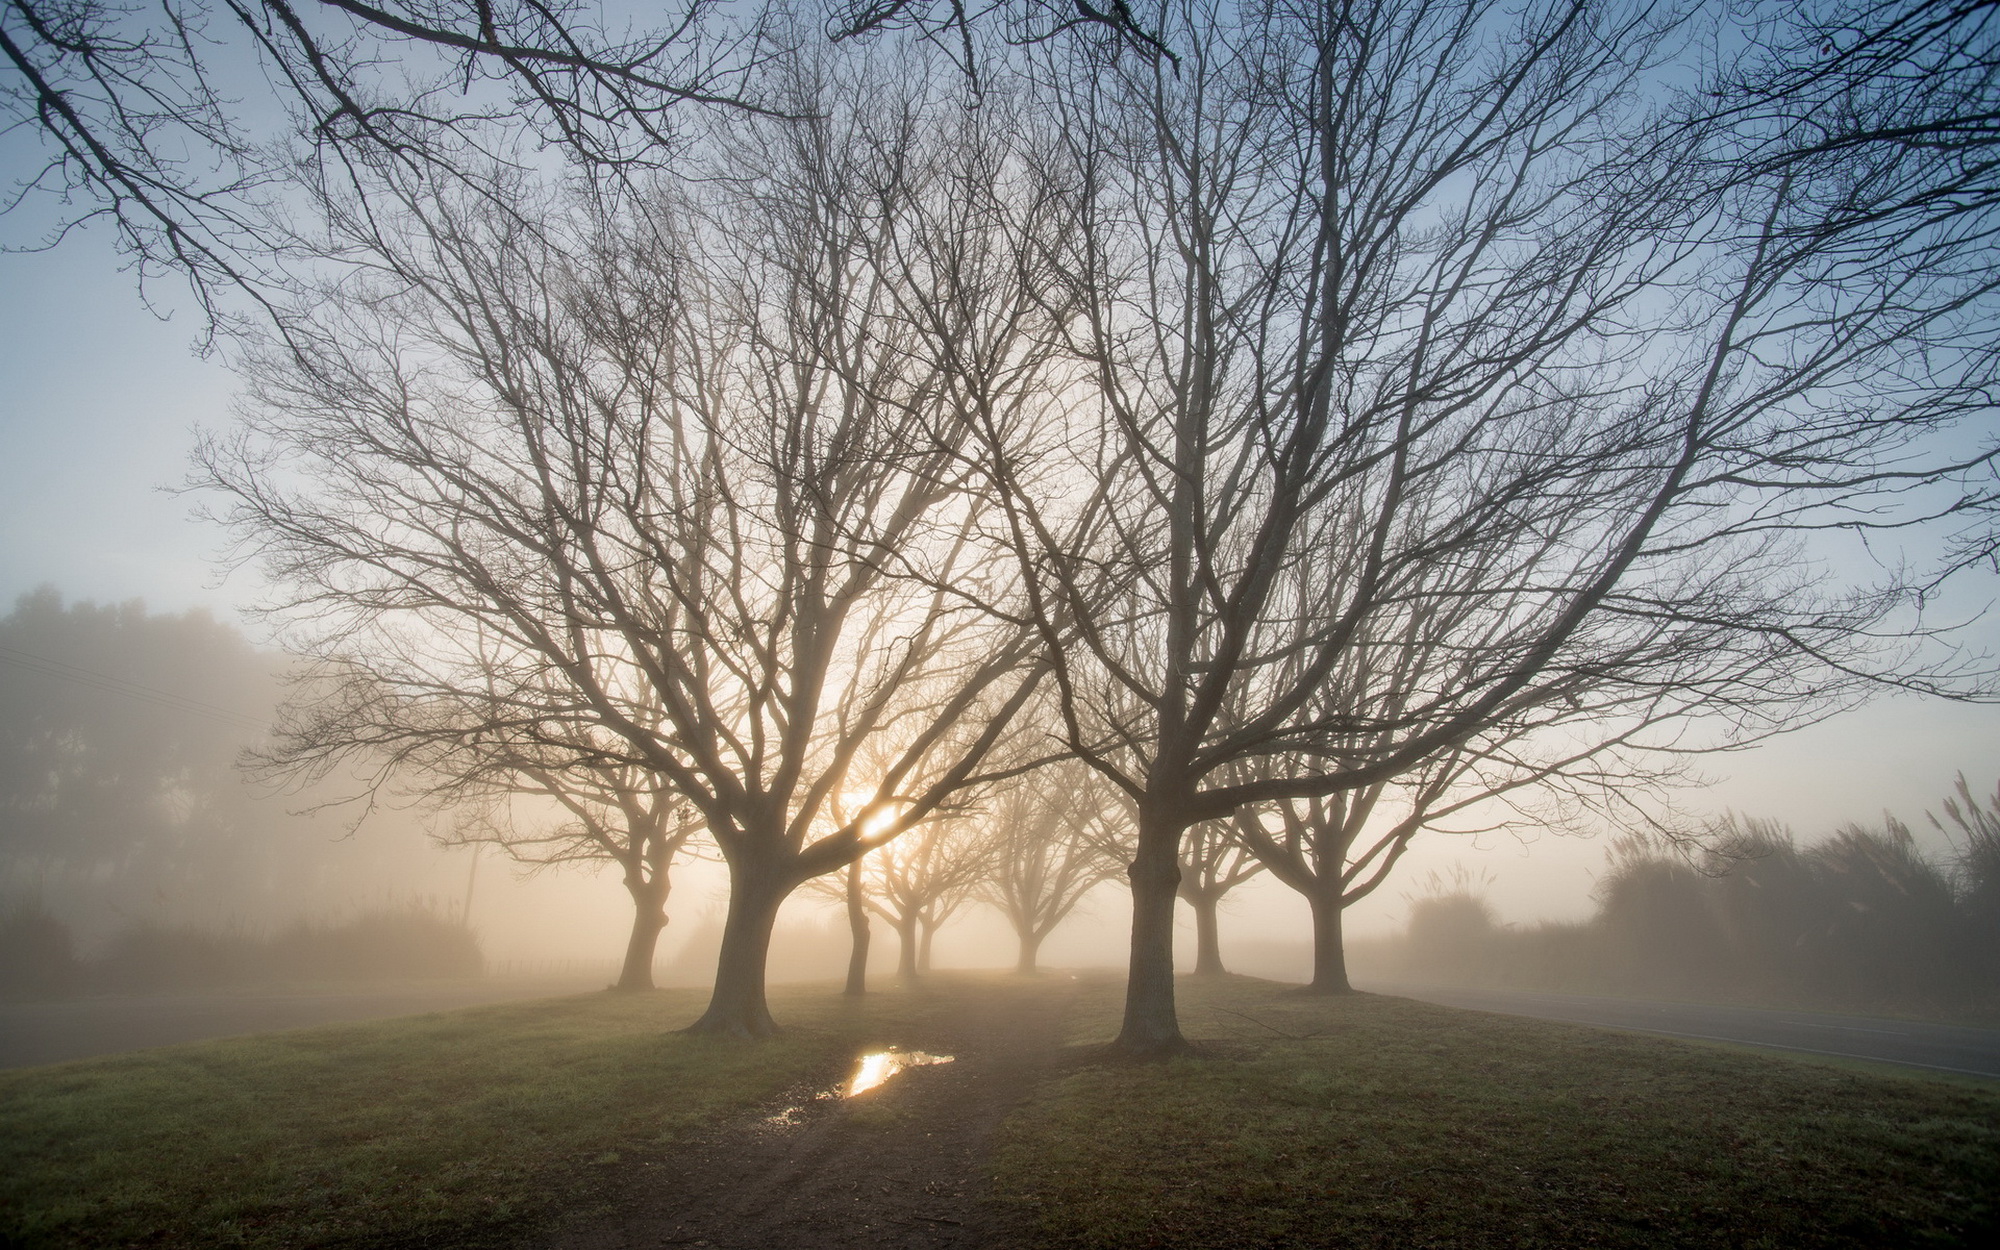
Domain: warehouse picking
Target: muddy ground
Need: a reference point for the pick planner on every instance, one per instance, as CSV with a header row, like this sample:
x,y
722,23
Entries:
x,y
904,1167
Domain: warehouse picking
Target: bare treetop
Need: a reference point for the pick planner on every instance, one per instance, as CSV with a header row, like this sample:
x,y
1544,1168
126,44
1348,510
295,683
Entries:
x,y
1427,331
662,467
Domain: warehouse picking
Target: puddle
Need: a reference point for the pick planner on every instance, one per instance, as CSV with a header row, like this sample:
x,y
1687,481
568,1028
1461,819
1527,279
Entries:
x,y
795,1114
872,1070
883,1064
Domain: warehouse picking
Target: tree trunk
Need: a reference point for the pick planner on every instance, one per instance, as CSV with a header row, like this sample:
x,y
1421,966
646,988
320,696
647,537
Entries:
x,y
857,926
1207,938
1151,1028
1329,950
737,1007
906,956
1030,947
649,918
928,931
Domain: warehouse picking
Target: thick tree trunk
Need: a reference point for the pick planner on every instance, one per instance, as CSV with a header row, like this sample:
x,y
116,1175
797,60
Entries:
x,y
1030,947
906,955
1329,949
857,927
1207,939
737,1007
924,946
1151,1028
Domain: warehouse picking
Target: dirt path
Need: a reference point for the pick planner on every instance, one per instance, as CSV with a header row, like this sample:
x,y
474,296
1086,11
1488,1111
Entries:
x,y
901,1168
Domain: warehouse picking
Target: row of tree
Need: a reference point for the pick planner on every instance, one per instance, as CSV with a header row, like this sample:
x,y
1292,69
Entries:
x,y
1338,419
1863,919
121,802
419,940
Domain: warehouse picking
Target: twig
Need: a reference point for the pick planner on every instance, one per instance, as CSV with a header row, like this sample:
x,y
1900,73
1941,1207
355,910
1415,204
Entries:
x,y
1296,1037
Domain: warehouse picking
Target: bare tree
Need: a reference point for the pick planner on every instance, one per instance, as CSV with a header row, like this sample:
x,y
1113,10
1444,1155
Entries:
x,y
651,455
471,744
1443,301
179,121
963,31
1214,861
916,884
1573,755
614,812
169,119
1052,846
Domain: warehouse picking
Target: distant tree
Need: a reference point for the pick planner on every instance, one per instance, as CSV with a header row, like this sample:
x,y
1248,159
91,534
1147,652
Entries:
x,y
1053,843
1214,861
616,812
1976,863
122,796
119,734
918,882
473,751
1543,770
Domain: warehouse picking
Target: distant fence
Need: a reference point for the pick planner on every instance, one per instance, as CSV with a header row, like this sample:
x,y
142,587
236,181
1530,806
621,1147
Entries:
x,y
573,969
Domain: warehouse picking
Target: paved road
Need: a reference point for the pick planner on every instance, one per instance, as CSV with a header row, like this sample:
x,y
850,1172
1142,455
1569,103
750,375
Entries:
x,y
50,1032
1941,1047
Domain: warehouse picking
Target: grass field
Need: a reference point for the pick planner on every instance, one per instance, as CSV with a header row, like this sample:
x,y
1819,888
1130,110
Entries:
x,y
1363,1121
1372,1121
455,1129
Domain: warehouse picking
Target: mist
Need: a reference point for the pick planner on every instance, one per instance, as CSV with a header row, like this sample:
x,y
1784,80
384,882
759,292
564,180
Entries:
x,y
145,854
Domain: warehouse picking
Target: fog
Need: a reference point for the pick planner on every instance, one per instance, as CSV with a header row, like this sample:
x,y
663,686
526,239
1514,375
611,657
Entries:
x,y
226,856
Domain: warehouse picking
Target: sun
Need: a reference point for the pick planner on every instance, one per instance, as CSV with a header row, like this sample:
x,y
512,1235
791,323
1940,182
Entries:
x,y
877,822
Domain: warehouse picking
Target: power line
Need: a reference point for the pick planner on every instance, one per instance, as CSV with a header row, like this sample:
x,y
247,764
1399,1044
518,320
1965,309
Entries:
x,y
130,689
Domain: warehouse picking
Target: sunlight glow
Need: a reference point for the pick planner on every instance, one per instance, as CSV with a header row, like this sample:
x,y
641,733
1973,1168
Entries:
x,y
877,822
878,1067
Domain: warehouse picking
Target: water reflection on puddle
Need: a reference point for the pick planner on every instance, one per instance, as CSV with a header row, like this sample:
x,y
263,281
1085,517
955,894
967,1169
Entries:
x,y
883,1064
873,1070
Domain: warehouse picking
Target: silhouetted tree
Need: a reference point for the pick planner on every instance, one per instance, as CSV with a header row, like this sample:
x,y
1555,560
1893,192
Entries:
x,y
919,882
661,467
615,812
160,118
1214,861
856,903
1053,836
1444,305
472,750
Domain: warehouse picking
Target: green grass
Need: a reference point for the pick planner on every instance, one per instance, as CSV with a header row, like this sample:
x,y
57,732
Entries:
x,y
1373,1121
1356,1122
461,1127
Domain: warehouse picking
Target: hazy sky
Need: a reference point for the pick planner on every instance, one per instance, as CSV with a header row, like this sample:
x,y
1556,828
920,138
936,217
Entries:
x,y
97,413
